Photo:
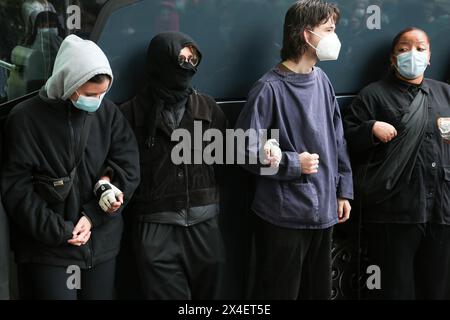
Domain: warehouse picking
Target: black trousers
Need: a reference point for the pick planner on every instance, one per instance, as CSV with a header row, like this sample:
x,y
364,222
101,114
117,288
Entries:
x,y
292,264
414,260
44,282
179,263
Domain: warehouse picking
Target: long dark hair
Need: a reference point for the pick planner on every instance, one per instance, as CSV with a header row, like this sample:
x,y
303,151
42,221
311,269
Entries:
x,y
301,16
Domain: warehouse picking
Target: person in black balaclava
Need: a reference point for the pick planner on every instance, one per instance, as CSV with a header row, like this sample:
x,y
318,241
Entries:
x,y
176,238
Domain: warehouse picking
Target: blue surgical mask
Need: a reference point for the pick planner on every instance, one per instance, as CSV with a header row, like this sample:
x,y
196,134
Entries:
x,y
53,31
412,64
89,104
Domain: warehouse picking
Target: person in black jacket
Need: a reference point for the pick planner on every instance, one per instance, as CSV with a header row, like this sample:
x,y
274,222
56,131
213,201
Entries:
x,y
402,166
71,161
177,242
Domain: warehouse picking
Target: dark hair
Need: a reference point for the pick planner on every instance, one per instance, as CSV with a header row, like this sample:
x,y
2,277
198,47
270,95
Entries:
x,y
100,78
401,33
305,14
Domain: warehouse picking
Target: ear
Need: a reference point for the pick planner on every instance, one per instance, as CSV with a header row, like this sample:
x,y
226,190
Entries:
x,y
306,36
74,96
393,60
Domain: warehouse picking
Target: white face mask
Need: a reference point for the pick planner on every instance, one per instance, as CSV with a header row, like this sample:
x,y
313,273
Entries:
x,y
328,47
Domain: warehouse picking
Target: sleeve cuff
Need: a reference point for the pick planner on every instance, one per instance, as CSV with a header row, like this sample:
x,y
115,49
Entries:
x,y
109,172
87,217
373,139
68,229
292,163
345,195
93,212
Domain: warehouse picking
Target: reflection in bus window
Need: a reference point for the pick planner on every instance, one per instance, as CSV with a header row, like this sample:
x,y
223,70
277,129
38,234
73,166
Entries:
x,y
168,18
30,8
34,59
10,28
31,32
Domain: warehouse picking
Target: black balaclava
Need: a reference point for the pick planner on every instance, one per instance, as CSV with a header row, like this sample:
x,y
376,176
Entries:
x,y
165,77
167,83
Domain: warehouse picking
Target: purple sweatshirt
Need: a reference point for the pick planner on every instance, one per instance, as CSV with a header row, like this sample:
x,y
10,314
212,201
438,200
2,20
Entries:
x,y
304,109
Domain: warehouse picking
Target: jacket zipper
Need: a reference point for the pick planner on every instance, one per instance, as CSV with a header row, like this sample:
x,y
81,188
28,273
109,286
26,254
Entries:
x,y
89,247
187,195
72,136
75,181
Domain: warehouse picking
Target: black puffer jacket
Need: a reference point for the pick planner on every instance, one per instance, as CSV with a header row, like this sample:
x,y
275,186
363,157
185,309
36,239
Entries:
x,y
166,186
41,136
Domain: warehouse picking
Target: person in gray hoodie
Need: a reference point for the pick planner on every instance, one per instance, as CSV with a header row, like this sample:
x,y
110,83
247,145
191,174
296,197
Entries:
x,y
71,163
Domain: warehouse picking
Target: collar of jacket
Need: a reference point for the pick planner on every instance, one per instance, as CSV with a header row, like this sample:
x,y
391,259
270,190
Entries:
x,y
59,104
194,108
53,103
197,109
406,86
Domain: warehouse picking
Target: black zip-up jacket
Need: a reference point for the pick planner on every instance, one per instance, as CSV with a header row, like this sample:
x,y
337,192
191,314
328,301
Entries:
x,y
165,186
41,137
427,196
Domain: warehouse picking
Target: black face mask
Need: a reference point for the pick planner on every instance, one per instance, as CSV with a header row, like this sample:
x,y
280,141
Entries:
x,y
166,78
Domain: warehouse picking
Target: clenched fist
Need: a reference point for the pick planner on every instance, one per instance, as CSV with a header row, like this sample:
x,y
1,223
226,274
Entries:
x,y
110,197
273,153
309,162
384,131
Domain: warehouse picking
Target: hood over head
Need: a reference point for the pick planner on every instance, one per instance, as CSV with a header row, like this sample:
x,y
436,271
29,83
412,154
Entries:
x,y
76,63
165,77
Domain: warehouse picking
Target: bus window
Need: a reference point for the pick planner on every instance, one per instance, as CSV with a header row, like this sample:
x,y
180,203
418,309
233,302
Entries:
x,y
242,39
31,32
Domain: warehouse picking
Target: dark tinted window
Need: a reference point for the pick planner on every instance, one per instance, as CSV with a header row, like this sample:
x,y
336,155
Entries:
x,y
31,32
241,39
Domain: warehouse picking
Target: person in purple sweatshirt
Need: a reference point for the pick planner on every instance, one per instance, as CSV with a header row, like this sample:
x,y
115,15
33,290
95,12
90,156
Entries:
x,y
298,206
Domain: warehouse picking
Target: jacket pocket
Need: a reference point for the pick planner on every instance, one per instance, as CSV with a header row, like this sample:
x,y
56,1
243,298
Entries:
x,y
300,202
53,190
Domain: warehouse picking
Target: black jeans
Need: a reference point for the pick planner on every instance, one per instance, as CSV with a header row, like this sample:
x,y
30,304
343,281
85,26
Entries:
x,y
179,263
45,282
414,260
292,264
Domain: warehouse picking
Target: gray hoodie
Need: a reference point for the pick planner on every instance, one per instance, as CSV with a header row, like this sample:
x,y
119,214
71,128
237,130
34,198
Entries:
x,y
41,138
77,61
